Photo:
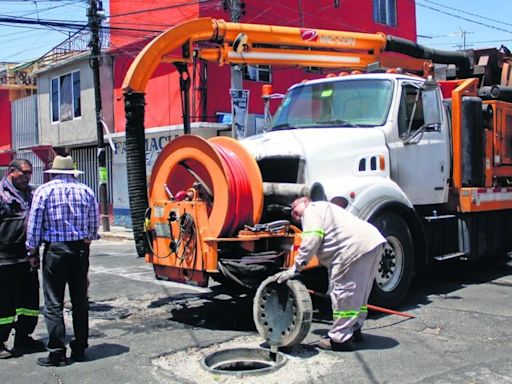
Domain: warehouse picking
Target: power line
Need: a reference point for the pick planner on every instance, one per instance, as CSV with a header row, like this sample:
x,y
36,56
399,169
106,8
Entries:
x,y
462,18
467,13
477,42
67,25
315,15
14,20
40,1
161,8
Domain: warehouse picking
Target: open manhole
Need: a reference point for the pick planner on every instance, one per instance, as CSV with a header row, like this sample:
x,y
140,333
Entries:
x,y
243,361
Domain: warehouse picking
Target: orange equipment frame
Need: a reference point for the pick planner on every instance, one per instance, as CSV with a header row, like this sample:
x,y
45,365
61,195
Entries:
x,y
191,257
485,197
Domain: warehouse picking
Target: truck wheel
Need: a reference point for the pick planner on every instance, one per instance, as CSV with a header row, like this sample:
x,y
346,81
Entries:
x,y
395,268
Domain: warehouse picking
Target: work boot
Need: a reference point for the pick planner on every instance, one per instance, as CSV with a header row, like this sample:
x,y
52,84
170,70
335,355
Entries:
x,y
4,352
78,355
330,345
357,336
77,351
53,360
28,345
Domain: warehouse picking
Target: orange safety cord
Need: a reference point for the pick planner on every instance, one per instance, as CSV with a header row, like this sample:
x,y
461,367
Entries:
x,y
372,307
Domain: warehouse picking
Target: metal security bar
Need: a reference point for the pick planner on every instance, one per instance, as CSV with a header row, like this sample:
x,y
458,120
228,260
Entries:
x,y
86,160
25,131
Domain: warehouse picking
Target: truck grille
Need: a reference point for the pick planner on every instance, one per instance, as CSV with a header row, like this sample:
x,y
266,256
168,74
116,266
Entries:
x,y
282,169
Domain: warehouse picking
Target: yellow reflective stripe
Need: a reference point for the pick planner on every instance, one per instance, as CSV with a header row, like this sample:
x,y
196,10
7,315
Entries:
x,y
364,308
344,314
314,232
27,312
7,320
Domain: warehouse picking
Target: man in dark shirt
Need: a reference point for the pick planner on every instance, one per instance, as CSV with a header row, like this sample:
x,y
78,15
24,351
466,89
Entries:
x,y
19,284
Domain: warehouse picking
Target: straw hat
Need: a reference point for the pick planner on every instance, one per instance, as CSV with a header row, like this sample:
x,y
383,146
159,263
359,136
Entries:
x,y
63,165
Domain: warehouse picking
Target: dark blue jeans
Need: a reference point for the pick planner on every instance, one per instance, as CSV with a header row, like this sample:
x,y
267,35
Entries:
x,y
66,263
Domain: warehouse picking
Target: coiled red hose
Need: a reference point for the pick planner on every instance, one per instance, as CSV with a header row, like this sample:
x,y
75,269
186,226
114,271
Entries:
x,y
239,192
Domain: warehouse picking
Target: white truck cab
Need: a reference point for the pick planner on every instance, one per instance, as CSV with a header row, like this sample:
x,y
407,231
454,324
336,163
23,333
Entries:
x,y
356,132
377,144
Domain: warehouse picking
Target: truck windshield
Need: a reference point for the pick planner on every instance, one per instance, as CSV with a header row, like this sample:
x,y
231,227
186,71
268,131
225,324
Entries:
x,y
343,103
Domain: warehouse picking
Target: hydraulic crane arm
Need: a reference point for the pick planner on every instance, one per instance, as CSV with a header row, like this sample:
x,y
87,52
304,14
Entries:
x,y
232,43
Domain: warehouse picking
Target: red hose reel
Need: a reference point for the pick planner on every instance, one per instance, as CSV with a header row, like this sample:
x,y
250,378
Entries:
x,y
229,172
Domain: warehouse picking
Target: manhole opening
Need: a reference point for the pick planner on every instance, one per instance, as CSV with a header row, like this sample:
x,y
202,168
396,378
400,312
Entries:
x,y
242,366
246,361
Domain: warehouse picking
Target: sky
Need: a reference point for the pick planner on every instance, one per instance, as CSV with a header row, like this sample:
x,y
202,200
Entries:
x,y
441,24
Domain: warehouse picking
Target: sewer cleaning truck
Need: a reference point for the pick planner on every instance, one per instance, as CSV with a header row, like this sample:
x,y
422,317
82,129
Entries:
x,y
427,161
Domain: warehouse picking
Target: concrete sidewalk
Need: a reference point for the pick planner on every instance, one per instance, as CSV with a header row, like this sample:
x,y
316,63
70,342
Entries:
x,y
116,233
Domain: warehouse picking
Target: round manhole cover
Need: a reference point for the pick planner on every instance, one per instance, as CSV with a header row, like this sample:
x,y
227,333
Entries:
x,y
243,361
282,312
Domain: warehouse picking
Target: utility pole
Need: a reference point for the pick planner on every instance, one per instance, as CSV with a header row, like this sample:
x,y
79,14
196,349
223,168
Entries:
x,y
95,24
236,8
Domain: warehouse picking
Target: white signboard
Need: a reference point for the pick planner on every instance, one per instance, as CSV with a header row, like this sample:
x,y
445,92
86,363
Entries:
x,y
240,109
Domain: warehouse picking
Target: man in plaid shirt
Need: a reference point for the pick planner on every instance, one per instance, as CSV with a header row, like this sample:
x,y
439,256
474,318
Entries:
x,y
64,217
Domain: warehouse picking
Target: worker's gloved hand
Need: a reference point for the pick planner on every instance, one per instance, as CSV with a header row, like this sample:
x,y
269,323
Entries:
x,y
286,275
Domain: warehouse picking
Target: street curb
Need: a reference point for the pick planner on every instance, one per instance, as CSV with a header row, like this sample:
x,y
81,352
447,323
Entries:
x,y
115,236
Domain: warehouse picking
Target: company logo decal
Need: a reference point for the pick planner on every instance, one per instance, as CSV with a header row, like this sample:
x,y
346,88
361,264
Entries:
x,y
308,35
338,40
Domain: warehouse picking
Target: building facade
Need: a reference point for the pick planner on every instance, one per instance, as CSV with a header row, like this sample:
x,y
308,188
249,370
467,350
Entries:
x,y
65,108
134,25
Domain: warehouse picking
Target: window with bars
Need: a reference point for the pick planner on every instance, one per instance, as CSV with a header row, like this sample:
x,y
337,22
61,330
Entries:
x,y
65,97
384,12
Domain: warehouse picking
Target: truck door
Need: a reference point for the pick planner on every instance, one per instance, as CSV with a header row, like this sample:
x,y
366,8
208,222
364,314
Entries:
x,y
422,151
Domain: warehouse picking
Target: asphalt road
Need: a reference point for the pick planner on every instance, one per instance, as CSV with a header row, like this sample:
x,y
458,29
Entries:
x,y
149,331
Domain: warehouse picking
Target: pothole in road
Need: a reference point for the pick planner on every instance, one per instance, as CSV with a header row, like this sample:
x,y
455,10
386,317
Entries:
x,y
304,364
107,312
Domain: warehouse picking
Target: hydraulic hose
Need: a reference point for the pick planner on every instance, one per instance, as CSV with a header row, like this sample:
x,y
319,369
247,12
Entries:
x,y
136,166
461,59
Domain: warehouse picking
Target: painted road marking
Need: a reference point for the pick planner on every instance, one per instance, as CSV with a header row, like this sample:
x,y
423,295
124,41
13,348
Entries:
x,y
142,274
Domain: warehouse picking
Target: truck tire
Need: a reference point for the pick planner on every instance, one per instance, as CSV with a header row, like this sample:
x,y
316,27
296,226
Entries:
x,y
396,266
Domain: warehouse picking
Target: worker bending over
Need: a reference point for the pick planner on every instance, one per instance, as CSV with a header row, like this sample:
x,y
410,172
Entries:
x,y
351,249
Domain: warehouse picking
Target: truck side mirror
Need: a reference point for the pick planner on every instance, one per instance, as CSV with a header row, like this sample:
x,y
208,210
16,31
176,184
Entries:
x,y
431,106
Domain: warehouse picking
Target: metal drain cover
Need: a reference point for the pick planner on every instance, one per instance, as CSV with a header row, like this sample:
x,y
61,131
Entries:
x,y
282,312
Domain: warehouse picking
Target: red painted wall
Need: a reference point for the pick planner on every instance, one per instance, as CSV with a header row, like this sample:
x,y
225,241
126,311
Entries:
x,y
5,122
162,94
163,99
136,20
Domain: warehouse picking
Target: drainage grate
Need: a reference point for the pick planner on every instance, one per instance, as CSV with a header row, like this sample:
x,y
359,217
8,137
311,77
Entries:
x,y
243,361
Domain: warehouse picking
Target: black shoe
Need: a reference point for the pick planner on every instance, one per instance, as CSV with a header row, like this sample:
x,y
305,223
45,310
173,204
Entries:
x,y
52,361
5,353
78,355
29,345
329,345
357,336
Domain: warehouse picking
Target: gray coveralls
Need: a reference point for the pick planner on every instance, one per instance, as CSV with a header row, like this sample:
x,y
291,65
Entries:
x,y
350,248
